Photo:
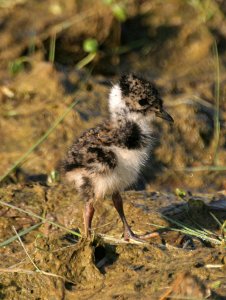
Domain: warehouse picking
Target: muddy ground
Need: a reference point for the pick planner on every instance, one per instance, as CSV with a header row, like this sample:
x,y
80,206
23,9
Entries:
x,y
173,44
107,268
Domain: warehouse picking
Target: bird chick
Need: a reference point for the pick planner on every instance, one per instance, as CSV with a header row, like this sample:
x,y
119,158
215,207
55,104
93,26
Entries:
x,y
107,159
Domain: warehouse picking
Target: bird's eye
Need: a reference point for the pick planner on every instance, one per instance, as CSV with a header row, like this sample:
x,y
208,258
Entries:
x,y
143,102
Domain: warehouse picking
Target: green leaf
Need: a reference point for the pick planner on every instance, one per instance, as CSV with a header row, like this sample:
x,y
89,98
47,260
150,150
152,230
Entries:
x,y
90,45
119,12
216,284
180,193
15,67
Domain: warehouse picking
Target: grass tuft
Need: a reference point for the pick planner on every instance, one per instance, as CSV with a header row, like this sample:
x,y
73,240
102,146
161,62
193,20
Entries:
x,y
202,234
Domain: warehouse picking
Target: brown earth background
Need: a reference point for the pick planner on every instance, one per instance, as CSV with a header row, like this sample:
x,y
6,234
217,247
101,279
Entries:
x,y
44,68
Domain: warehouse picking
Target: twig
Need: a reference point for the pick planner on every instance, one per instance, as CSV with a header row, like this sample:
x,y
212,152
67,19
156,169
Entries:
x,y
108,238
214,266
25,250
16,270
33,263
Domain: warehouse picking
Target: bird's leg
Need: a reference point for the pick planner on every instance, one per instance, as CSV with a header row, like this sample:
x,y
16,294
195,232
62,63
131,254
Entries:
x,y
117,200
88,216
128,233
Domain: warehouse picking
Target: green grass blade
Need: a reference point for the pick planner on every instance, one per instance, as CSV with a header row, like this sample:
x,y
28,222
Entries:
x,y
204,168
216,219
192,231
85,61
52,48
39,217
188,232
217,106
208,232
21,233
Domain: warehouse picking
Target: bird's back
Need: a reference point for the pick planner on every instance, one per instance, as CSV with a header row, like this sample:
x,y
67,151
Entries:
x,y
108,157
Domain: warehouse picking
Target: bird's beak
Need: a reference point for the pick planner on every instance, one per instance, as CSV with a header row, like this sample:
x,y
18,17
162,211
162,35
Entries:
x,y
164,115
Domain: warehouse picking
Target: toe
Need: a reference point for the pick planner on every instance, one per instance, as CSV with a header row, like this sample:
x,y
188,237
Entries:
x,y
149,235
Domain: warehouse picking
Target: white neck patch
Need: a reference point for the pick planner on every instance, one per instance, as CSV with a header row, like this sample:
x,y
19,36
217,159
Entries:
x,y
118,109
116,104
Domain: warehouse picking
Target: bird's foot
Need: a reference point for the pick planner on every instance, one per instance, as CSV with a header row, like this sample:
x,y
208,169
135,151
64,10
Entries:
x,y
129,235
149,235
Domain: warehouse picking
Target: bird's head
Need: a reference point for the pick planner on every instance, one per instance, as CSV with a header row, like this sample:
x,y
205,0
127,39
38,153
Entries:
x,y
137,96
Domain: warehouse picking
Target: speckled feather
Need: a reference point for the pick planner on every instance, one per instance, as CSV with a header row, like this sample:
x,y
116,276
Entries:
x,y
93,145
109,157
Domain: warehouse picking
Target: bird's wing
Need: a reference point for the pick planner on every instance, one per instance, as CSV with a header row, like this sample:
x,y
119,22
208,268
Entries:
x,y
91,150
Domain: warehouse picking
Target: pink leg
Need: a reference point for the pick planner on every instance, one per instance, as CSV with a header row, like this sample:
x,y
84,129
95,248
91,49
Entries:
x,y
128,233
88,216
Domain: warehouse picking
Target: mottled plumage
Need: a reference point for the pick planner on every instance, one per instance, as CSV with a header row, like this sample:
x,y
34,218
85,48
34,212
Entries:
x,y
108,158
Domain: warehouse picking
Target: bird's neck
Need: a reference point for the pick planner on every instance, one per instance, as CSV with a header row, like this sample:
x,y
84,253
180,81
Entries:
x,y
120,113
117,107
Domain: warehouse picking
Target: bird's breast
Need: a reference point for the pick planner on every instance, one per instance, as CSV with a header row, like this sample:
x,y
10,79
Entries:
x,y
129,164
129,161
